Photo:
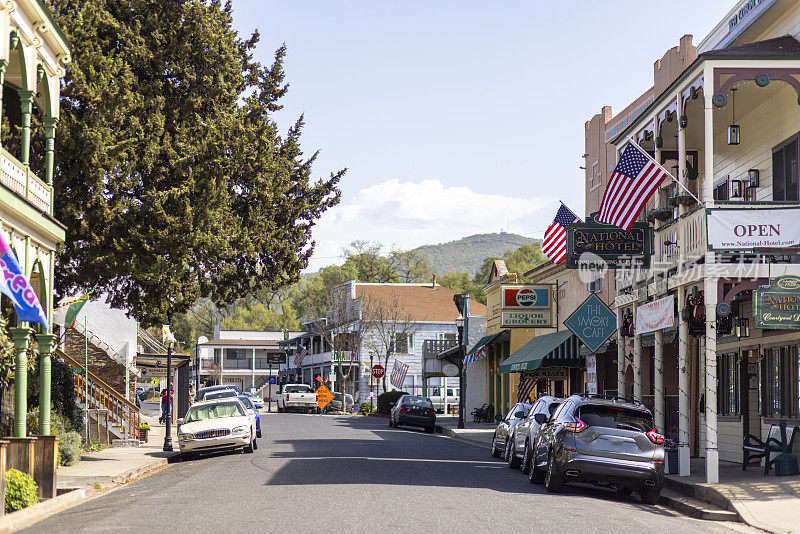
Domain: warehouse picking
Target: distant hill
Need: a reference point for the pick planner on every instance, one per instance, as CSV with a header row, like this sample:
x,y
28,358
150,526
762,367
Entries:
x,y
466,255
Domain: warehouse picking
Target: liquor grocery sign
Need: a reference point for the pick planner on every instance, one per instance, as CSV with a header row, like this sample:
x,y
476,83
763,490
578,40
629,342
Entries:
x,y
777,306
526,306
740,229
612,244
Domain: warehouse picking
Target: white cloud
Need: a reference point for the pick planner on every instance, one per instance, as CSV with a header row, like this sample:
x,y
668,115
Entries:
x,y
408,214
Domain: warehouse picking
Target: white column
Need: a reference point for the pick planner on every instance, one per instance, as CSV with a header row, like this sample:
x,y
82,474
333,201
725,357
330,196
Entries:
x,y
637,360
681,156
253,369
658,380
620,355
683,387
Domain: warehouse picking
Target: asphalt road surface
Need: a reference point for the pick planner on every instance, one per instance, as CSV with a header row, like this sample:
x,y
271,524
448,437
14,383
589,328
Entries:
x,y
317,474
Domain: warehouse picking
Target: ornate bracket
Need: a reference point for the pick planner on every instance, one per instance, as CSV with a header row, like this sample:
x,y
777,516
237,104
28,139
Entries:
x,y
762,77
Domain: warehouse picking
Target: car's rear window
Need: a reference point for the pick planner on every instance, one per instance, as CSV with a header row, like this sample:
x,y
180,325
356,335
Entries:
x,y
553,407
244,400
614,417
220,394
297,389
417,401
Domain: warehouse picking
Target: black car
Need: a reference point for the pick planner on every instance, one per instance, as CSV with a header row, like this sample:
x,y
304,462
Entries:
x,y
608,441
500,441
413,411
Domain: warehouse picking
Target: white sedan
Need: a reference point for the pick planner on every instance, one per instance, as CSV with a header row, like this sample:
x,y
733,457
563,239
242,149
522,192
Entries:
x,y
216,425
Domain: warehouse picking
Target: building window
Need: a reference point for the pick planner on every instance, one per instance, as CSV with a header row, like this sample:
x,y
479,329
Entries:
x,y
595,286
785,170
781,390
721,190
401,344
236,354
447,336
728,384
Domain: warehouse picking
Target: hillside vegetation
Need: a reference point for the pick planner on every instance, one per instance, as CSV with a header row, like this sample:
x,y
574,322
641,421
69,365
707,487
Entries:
x,y
466,255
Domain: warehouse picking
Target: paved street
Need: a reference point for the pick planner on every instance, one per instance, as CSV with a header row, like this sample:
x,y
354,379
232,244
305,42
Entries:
x,y
321,473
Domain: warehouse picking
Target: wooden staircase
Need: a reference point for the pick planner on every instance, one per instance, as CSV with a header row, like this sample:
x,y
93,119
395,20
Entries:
x,y
122,413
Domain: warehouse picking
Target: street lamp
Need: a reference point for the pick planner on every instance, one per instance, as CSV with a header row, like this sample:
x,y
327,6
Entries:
x,y
461,354
170,339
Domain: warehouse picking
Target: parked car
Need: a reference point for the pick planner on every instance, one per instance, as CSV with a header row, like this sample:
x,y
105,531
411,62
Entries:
x,y
501,444
202,392
257,401
525,432
215,425
608,441
221,394
337,404
297,397
253,411
413,411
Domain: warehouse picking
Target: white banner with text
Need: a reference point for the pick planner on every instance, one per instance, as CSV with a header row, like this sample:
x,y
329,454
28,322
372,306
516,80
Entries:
x,y
746,229
655,315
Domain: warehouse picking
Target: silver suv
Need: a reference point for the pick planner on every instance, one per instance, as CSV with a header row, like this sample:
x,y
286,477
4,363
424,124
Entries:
x,y
608,441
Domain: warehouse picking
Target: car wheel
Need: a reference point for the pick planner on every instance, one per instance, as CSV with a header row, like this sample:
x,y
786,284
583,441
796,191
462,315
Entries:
x,y
526,460
429,429
280,410
537,475
249,448
511,457
495,450
391,424
625,491
650,495
552,481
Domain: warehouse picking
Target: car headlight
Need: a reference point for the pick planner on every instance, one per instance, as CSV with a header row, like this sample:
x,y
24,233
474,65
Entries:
x,y
185,437
241,430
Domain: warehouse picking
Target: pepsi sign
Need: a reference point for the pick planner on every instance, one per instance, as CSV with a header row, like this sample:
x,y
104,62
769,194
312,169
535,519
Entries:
x,y
528,297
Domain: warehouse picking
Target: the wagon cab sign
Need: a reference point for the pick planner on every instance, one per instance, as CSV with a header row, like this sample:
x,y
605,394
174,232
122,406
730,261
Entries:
x,y
777,306
527,297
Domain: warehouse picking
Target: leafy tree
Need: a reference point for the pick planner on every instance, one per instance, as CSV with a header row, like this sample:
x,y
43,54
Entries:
x,y
369,262
461,283
171,175
410,265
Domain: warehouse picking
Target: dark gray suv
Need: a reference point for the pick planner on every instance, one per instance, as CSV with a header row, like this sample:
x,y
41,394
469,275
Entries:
x,y
608,441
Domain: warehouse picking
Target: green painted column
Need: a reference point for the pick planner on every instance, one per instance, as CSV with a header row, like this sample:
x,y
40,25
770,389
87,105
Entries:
x,y
20,336
26,103
45,367
50,147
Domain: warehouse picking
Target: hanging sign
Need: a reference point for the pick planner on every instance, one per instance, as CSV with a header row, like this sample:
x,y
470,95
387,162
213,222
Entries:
x,y
593,322
527,319
732,229
591,374
611,243
655,315
527,297
777,305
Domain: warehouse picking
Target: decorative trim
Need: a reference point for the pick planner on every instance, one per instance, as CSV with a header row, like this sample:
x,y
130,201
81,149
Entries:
x,y
762,77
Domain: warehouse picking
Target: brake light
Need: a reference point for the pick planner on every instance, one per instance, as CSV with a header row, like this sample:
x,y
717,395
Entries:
x,y
401,408
577,426
287,397
655,437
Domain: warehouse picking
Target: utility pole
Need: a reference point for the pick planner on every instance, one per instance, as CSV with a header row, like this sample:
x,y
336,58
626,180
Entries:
x,y
168,405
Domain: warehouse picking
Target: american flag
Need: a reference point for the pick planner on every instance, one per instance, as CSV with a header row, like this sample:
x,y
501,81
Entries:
x,y
635,178
398,375
525,388
475,356
301,354
555,237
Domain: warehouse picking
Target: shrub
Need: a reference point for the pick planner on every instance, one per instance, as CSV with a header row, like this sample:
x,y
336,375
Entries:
x,y
143,424
21,491
385,400
366,407
70,448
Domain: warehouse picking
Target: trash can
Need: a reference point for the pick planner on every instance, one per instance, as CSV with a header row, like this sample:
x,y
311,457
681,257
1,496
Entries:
x,y
671,460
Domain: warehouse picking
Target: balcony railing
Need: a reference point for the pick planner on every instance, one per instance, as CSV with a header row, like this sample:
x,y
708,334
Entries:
x,y
22,181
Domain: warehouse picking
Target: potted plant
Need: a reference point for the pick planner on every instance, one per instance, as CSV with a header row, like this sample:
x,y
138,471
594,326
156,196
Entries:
x,y
143,429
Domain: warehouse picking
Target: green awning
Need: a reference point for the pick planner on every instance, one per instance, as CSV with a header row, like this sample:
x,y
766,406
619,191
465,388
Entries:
x,y
482,342
559,349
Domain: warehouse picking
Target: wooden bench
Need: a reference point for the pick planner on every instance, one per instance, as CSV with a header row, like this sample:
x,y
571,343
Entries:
x,y
483,414
754,448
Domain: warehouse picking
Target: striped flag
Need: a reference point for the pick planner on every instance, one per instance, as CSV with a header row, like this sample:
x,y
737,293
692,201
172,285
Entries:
x,y
634,180
301,354
554,245
398,375
475,356
525,388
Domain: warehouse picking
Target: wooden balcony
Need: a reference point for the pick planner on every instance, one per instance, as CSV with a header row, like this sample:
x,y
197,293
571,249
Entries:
x,y
22,181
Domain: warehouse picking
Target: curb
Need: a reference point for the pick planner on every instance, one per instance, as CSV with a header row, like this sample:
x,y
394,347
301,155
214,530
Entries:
x,y
139,471
450,433
33,514
694,508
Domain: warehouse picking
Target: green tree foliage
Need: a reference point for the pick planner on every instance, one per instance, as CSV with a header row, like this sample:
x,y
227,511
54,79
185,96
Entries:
x,y
461,283
171,175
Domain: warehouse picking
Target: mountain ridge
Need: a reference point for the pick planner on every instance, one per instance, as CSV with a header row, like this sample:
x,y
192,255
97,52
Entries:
x,y
466,255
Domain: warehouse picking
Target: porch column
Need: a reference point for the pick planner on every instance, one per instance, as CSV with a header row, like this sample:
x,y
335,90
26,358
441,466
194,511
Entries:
x,y
45,369
637,359
19,335
253,370
620,354
681,154
683,387
3,66
26,105
658,380
50,147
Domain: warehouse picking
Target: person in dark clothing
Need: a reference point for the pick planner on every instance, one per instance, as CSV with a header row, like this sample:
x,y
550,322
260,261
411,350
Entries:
x,y
165,398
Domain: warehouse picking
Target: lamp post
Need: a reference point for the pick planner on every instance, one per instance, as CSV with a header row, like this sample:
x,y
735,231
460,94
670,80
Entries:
x,y
168,406
461,366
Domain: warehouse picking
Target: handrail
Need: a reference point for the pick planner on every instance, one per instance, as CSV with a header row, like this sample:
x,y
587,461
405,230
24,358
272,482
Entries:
x,y
96,378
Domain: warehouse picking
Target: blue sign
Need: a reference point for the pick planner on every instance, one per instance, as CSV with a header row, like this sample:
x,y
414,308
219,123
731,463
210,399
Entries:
x,y
272,380
593,322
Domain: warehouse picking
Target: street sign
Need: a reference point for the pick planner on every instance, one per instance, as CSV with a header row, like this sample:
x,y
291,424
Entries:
x,y
777,306
78,371
272,380
593,322
276,359
324,397
378,371
154,381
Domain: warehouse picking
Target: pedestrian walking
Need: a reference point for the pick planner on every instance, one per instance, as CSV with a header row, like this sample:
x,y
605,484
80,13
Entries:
x,y
165,400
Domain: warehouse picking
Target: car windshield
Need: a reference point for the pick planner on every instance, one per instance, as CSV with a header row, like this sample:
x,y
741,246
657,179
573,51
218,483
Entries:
x,y
220,394
417,401
297,389
251,395
552,407
614,417
214,411
247,404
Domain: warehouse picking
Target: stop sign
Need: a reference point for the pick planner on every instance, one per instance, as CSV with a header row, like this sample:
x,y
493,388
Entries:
x,y
378,371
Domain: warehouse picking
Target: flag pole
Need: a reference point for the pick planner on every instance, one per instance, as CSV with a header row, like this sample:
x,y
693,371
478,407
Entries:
x,y
643,151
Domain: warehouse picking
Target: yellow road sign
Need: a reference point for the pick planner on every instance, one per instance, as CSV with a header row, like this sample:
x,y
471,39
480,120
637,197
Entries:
x,y
324,397
154,381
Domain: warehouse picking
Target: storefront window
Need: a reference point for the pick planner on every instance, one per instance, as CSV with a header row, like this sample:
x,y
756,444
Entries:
x,y
728,384
781,387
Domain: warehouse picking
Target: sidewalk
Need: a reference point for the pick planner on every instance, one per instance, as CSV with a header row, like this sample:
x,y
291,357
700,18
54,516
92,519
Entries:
x,y
475,433
770,503
116,465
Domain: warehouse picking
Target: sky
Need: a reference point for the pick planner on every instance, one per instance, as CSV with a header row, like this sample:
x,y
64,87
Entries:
x,y
458,117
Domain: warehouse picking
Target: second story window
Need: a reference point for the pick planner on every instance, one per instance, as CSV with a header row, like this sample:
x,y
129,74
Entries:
x,y
402,344
785,170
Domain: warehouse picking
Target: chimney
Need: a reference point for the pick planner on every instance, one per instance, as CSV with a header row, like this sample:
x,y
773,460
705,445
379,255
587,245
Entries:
x,y
434,282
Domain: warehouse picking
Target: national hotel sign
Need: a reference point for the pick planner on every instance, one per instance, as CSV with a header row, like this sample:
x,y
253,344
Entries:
x,y
777,306
612,244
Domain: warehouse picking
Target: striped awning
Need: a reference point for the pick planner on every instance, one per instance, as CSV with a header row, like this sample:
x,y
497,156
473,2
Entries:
x,y
559,349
